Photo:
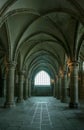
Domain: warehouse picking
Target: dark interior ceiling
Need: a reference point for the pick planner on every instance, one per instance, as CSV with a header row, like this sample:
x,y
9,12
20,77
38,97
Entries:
x,y
40,33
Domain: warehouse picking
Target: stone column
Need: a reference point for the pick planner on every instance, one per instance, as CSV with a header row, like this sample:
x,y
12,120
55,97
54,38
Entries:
x,y
16,85
4,86
81,80
73,84
59,87
29,87
20,87
10,85
56,86
26,89
54,93
64,97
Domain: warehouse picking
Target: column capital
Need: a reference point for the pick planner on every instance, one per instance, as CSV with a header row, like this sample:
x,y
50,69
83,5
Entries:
x,y
60,73
56,77
64,72
11,64
73,63
22,72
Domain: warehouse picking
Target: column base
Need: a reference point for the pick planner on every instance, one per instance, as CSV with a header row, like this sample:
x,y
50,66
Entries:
x,y
9,104
58,97
19,100
64,100
73,105
25,98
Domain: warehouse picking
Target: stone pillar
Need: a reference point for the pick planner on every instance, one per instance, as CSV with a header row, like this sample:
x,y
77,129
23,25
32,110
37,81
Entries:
x,y
4,86
10,85
81,80
16,85
73,84
26,89
54,90
29,87
59,87
20,87
56,86
64,97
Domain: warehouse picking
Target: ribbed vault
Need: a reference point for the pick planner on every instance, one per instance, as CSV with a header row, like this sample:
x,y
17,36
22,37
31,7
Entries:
x,y
41,34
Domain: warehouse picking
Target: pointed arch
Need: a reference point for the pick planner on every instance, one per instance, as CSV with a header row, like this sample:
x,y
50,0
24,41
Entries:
x,y
42,78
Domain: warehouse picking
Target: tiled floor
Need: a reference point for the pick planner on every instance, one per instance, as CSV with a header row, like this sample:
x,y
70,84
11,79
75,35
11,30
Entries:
x,y
42,113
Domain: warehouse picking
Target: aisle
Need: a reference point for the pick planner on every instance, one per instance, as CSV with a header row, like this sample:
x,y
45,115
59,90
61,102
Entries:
x,y
41,113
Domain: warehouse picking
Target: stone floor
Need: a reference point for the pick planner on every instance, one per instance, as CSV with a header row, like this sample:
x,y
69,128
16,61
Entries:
x,y
42,113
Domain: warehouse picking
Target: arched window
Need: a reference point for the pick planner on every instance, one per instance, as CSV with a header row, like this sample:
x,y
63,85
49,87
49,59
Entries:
x,y
42,78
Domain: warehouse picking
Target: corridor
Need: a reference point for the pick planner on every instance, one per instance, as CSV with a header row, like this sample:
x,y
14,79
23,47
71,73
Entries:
x,y
41,113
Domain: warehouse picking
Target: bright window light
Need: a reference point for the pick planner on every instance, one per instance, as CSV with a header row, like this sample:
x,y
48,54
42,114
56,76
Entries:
x,y
42,78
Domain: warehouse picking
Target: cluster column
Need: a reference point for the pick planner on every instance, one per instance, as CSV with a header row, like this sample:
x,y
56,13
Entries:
x,y
26,89
59,87
20,87
29,93
73,84
4,86
56,85
10,84
64,97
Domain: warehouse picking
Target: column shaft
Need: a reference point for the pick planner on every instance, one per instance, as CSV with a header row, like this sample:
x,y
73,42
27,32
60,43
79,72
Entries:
x,y
59,88
54,89
10,85
30,88
73,85
4,86
56,86
26,89
64,97
20,87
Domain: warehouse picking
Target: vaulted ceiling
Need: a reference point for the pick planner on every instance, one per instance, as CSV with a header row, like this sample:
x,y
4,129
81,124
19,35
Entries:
x,y
40,33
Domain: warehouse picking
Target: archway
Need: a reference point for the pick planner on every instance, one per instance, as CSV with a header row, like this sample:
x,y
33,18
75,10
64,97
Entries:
x,y
42,84
42,79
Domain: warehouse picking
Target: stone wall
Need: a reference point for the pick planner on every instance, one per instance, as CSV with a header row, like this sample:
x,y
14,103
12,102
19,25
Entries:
x,y
42,91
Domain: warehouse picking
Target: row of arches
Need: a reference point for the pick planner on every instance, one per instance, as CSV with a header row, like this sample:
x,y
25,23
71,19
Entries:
x,y
34,38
